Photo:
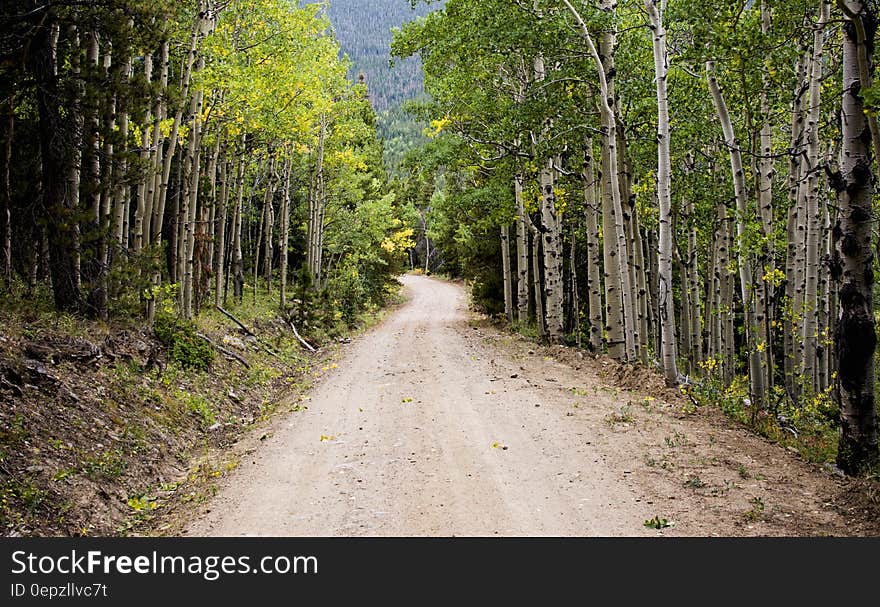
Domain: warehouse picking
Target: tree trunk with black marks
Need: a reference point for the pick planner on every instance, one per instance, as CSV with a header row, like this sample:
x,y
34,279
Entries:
x,y
855,339
757,373
666,303
284,232
237,254
620,316
813,221
6,194
522,253
594,252
506,272
551,242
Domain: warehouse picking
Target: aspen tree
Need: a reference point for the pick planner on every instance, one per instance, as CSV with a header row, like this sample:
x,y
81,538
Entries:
x,y
756,373
855,339
813,221
594,255
618,287
666,303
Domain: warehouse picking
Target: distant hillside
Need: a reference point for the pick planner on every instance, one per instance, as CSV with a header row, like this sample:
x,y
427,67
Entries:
x,y
363,28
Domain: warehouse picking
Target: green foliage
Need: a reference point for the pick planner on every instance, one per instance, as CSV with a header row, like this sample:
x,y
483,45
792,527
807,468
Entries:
x,y
198,406
184,346
756,512
658,523
143,504
346,290
810,426
109,464
19,500
129,283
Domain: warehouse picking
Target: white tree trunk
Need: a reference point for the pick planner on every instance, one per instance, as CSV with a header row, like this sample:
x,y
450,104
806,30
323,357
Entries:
x,y
522,253
284,236
852,266
506,272
621,335
756,372
552,249
594,255
666,303
813,221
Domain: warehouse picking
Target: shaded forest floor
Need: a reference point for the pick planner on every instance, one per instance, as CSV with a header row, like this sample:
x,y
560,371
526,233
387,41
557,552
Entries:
x,y
101,431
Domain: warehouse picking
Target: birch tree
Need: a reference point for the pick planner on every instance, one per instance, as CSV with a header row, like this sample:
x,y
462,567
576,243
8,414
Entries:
x,y
855,340
668,353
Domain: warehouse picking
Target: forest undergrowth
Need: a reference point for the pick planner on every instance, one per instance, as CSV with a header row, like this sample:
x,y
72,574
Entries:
x,y
105,427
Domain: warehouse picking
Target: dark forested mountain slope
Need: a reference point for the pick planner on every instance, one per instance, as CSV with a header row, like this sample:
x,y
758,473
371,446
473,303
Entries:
x,y
363,28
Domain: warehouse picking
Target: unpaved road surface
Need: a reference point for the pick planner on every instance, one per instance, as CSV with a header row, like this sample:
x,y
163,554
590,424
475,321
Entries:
x,y
433,425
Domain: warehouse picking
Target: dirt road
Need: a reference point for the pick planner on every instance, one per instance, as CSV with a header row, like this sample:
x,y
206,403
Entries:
x,y
432,426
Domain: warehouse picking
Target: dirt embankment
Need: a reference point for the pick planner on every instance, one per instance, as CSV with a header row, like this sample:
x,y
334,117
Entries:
x,y
100,431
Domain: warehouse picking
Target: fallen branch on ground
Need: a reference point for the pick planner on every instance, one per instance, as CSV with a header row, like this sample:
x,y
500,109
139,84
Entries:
x,y
305,344
236,321
224,351
266,348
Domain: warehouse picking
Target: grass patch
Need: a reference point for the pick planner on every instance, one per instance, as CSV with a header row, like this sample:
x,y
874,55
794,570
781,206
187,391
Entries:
x,y
623,416
107,465
810,427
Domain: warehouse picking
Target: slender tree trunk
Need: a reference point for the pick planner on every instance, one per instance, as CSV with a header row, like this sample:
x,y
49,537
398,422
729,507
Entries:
x,y
594,254
264,217
189,210
268,241
220,222
823,352
642,294
713,297
199,29
619,296
315,222
756,371
284,236
766,172
552,248
666,303
575,296
727,304
59,151
522,253
684,334
6,194
92,237
810,328
693,290
551,236
506,272
536,280
722,286
121,192
795,249
615,327
237,256
154,214
141,192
